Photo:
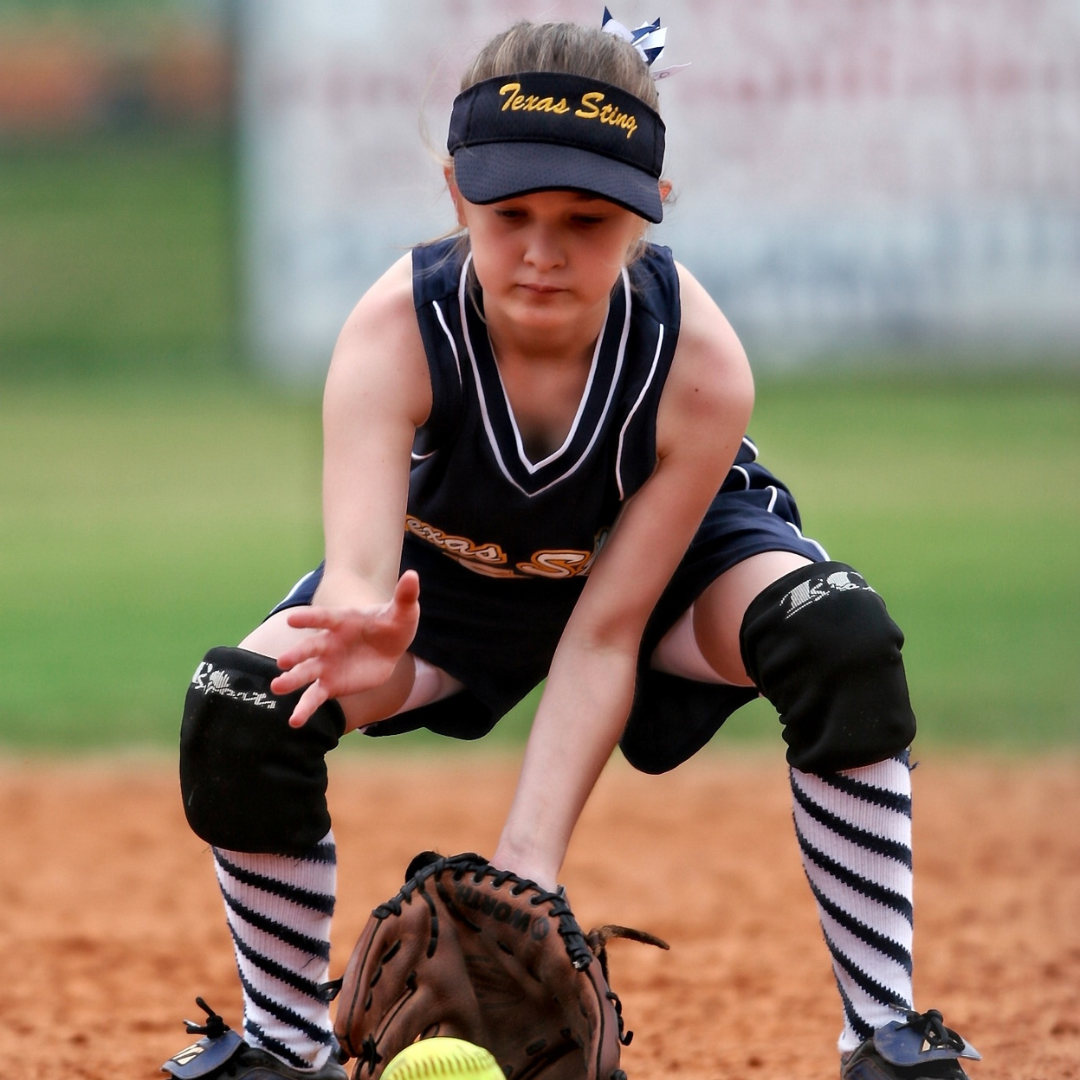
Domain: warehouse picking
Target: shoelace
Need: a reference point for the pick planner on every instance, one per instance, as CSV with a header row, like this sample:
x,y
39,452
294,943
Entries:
x,y
213,1028
936,1036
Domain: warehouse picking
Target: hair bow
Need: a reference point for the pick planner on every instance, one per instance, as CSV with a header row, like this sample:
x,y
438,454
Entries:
x,y
648,39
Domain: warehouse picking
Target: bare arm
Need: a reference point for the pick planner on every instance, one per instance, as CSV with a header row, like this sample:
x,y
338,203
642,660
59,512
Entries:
x,y
378,392
702,417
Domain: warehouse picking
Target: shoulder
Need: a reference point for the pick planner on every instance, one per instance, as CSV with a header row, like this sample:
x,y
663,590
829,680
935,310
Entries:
x,y
710,380
389,298
379,350
428,271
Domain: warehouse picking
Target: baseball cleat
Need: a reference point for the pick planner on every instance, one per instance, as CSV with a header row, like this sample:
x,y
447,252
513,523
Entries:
x,y
922,1048
221,1054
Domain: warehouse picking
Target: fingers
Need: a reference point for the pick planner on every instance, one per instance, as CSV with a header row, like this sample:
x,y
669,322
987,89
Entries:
x,y
311,647
394,627
310,700
314,618
407,590
295,674
351,650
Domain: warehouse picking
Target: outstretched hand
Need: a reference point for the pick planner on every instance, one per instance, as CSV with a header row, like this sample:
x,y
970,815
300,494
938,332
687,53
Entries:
x,y
355,649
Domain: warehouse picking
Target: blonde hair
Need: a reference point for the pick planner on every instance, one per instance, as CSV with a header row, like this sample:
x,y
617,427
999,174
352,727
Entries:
x,y
567,48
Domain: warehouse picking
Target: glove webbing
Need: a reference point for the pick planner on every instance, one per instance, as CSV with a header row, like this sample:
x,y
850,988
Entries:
x,y
573,939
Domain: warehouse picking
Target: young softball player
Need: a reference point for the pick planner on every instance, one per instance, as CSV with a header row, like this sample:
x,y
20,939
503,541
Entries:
x,y
536,466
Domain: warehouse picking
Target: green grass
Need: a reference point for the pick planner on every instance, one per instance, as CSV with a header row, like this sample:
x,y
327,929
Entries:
x,y
138,528
141,523
152,505
115,254
961,503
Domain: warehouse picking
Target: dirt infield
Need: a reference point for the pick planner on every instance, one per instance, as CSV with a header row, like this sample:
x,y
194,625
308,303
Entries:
x,y
110,921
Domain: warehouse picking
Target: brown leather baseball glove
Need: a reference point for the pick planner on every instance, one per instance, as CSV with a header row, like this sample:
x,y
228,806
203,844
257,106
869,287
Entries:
x,y
472,952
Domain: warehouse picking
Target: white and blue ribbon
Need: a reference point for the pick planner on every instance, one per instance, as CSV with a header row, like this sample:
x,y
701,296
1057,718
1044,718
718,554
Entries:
x,y
649,40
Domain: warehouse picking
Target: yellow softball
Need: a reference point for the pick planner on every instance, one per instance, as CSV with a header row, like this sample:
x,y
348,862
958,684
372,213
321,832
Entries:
x,y
443,1059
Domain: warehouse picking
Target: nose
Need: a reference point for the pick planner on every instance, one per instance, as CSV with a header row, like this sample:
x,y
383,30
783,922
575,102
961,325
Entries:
x,y
543,247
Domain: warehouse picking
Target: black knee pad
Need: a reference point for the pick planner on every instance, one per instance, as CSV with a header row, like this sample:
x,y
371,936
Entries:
x,y
821,647
250,782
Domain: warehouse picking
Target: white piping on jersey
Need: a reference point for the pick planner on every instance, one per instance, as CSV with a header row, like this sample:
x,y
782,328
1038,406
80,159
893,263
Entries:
x,y
457,364
746,475
489,429
530,466
296,588
450,338
634,409
476,376
809,540
772,503
750,446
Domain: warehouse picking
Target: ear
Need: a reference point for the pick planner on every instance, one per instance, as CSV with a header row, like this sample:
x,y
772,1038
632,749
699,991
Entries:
x,y
665,190
455,194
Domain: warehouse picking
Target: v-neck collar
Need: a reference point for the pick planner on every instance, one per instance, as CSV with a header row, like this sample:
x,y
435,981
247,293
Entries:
x,y
501,427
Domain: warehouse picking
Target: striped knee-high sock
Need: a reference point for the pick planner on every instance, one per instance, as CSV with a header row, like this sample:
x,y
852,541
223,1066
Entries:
x,y
854,832
279,910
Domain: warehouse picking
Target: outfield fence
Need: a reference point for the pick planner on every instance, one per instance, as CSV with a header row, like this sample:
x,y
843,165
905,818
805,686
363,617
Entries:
x,y
853,179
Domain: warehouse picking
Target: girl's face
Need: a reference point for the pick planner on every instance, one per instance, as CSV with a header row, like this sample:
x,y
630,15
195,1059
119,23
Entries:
x,y
548,260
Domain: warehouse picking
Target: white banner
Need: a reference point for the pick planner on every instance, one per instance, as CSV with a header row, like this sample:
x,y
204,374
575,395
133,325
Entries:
x,y
850,178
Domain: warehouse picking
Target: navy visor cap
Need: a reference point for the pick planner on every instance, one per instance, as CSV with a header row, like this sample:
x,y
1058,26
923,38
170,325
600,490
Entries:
x,y
539,131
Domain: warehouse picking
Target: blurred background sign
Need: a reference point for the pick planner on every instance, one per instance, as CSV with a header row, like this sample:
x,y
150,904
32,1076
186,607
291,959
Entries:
x,y
880,182
877,180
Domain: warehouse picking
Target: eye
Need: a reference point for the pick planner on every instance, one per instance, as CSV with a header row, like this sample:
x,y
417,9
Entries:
x,y
588,220
510,214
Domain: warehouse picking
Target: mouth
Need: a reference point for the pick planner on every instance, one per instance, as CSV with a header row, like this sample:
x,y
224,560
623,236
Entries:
x,y
540,289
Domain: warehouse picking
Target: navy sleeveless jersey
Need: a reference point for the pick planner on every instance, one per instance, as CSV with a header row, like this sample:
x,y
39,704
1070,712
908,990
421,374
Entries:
x,y
474,494
503,544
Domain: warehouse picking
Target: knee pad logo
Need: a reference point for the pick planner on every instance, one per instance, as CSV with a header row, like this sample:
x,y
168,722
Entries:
x,y
810,592
213,680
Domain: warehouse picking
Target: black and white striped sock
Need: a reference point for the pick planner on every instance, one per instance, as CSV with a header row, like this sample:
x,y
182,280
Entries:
x,y
279,910
854,832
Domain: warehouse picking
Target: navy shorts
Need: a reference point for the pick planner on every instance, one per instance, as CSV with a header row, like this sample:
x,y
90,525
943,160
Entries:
x,y
498,636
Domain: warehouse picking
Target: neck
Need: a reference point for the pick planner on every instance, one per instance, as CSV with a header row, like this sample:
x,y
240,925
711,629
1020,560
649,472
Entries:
x,y
569,343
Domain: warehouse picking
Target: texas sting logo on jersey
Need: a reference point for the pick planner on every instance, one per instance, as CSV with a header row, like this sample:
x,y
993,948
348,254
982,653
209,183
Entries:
x,y
491,560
